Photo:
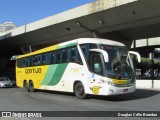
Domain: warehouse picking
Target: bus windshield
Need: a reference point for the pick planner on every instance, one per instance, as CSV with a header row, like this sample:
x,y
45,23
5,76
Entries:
x,y
119,65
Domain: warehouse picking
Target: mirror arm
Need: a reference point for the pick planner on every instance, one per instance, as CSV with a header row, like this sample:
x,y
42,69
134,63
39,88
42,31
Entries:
x,y
137,54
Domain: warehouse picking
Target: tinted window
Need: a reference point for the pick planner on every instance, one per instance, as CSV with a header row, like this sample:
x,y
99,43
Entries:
x,y
54,57
64,56
35,60
96,64
73,55
85,48
48,58
58,54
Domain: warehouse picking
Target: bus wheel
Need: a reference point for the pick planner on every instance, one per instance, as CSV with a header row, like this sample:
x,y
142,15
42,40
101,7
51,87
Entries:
x,y
26,86
79,91
31,86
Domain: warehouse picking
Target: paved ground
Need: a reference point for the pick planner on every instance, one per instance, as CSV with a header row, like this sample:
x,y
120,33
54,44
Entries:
x,y
16,99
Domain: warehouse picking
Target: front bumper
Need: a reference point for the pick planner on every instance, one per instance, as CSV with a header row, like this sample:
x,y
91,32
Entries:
x,y
116,90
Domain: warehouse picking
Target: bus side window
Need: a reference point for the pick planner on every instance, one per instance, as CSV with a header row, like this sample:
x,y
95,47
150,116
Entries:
x,y
73,54
52,57
28,62
77,55
55,57
31,61
63,56
35,60
39,60
71,57
85,49
48,58
19,63
68,54
58,52
24,62
78,58
43,59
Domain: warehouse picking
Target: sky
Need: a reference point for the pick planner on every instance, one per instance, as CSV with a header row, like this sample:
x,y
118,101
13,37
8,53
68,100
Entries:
x,y
23,12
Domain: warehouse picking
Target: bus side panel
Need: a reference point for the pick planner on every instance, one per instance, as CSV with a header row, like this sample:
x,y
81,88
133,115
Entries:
x,y
36,74
53,76
63,77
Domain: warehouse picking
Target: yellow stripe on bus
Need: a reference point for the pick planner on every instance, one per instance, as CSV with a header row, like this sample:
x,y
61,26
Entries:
x,y
41,51
116,81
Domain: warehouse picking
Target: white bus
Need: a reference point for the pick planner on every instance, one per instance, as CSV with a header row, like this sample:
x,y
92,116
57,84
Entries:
x,y
83,66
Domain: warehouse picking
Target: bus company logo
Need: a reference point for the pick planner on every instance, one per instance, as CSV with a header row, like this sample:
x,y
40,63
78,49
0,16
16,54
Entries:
x,y
33,70
95,89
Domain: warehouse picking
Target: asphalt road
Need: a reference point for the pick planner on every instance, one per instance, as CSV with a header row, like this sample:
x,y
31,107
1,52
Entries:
x,y
16,99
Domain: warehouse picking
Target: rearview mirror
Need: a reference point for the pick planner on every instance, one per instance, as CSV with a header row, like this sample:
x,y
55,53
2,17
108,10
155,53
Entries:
x,y
137,54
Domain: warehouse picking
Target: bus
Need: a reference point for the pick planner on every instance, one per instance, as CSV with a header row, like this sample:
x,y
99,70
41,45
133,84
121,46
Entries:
x,y
84,66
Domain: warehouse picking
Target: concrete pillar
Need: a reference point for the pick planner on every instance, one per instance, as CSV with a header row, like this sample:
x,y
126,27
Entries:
x,y
151,56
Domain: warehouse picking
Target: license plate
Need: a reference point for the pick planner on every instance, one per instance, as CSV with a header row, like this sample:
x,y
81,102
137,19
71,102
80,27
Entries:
x,y
125,90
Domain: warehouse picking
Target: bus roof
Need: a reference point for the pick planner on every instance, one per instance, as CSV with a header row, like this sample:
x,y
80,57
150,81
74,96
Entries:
x,y
99,41
72,43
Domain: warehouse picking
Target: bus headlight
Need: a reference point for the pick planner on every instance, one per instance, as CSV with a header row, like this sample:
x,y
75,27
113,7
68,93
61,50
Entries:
x,y
116,85
113,84
107,82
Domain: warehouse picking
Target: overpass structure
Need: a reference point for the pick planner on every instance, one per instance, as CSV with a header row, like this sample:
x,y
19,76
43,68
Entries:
x,y
116,19
120,20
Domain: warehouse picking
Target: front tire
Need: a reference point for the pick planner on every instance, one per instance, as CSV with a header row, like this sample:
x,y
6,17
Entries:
x,y
79,91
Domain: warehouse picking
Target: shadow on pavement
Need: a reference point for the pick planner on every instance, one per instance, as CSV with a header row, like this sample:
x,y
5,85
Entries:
x,y
138,94
55,92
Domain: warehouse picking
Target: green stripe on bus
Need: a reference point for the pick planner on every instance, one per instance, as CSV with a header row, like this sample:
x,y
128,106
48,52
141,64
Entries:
x,y
65,46
58,74
49,74
54,74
